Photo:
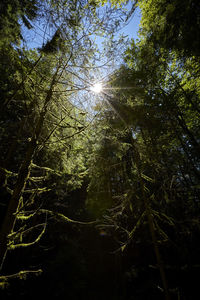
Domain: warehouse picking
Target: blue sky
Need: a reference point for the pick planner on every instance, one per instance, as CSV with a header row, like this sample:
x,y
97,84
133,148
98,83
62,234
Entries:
x,y
132,26
35,37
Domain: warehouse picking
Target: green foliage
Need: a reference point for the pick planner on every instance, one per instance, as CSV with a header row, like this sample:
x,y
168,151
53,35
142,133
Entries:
x,y
43,131
12,12
55,44
156,105
174,26
115,3
135,166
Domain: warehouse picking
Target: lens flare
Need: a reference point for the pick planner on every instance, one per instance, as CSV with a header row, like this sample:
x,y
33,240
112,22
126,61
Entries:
x,y
96,88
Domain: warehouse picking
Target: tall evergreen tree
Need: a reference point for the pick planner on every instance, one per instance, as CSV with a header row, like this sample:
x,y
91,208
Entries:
x,y
40,102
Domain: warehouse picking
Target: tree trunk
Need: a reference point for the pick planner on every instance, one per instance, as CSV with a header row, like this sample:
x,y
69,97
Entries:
x,y
151,222
23,175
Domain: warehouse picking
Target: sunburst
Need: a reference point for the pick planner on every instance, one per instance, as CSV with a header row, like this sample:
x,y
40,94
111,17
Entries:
x,y
96,88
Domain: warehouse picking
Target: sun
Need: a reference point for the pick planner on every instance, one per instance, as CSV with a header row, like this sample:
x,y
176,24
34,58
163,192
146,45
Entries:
x,y
96,88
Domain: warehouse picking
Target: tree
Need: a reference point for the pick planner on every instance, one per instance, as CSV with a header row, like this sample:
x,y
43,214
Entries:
x,y
44,114
13,13
173,26
157,96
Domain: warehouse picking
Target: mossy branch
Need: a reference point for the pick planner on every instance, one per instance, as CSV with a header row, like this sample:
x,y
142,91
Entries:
x,y
24,245
37,190
131,234
21,275
64,218
163,217
7,173
37,179
22,217
45,169
18,234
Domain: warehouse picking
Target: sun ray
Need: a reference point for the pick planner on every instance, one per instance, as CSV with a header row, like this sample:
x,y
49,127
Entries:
x,y
96,88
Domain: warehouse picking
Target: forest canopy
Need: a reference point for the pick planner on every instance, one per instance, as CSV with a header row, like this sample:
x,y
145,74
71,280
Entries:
x,y
99,150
